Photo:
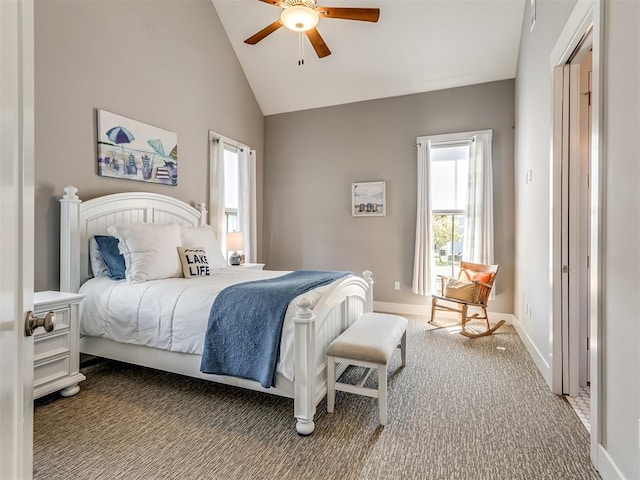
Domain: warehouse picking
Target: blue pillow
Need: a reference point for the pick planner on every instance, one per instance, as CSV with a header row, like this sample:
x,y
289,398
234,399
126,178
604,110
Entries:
x,y
112,257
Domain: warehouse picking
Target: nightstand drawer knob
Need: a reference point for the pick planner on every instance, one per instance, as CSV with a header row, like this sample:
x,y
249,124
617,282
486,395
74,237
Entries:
x,y
33,321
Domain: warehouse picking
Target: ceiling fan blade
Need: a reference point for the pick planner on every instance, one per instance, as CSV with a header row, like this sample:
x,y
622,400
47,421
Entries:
x,y
362,14
318,43
275,3
268,30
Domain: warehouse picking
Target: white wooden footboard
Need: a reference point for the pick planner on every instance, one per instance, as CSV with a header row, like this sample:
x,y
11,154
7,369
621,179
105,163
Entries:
x,y
314,330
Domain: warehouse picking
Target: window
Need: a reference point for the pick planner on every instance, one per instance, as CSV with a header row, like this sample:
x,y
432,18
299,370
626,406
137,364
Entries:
x,y
231,190
454,214
232,193
449,179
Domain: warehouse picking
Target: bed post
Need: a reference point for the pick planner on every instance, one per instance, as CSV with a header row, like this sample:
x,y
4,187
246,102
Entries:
x,y
202,208
304,402
69,241
369,279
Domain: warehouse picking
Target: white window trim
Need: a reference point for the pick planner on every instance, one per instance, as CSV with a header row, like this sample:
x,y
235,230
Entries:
x,y
449,139
213,137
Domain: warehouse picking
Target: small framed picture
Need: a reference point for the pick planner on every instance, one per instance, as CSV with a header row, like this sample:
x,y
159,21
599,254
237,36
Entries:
x,y
368,199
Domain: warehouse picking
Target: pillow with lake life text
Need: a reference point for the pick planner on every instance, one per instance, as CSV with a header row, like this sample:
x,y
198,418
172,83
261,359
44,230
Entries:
x,y
194,262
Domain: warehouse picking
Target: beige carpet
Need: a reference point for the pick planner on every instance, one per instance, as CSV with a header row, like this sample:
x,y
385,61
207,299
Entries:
x,y
460,409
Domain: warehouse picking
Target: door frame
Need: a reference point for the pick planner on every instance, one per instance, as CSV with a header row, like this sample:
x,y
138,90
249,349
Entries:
x,y
16,235
586,17
572,112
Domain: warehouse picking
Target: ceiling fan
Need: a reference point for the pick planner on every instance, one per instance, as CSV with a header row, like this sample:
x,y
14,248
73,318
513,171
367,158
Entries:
x,y
303,16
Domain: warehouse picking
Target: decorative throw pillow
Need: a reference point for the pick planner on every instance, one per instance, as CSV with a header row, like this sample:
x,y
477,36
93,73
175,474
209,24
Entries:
x,y
194,262
149,250
465,291
98,267
111,256
203,237
470,276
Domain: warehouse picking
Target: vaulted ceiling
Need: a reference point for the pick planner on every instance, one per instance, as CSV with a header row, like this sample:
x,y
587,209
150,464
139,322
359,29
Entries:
x,y
416,46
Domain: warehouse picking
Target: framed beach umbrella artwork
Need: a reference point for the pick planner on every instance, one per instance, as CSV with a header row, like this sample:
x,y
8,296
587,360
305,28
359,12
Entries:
x,y
369,199
134,150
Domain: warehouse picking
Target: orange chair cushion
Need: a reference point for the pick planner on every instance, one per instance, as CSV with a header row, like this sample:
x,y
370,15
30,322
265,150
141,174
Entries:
x,y
469,276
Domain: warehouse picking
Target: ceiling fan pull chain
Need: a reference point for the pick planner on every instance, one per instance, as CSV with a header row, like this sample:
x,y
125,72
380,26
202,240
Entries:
x,y
300,50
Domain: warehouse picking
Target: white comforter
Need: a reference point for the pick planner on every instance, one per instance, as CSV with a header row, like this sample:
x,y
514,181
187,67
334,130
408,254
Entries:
x,y
172,314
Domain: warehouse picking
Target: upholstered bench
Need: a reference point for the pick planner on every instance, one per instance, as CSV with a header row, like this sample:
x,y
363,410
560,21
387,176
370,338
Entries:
x,y
369,342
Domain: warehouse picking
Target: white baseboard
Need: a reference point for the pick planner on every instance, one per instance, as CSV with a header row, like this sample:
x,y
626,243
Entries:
x,y
425,310
538,358
607,468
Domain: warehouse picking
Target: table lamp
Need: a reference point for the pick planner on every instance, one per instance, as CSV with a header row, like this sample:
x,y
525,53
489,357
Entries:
x,y
235,242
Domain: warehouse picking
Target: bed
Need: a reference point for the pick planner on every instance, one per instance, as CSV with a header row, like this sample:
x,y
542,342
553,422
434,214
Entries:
x,y
315,318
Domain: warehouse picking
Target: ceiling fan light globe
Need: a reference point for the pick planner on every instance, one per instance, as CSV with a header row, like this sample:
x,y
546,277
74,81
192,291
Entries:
x,y
299,18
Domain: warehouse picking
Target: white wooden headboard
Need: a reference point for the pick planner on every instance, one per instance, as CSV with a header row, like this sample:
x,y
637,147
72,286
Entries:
x,y
79,221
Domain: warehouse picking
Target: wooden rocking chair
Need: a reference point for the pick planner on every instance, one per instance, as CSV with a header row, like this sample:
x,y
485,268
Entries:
x,y
471,289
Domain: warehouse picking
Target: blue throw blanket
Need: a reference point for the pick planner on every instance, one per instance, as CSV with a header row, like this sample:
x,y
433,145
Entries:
x,y
245,324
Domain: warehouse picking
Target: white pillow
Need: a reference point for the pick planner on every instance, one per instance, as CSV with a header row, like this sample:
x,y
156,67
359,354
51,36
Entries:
x,y
98,267
194,237
150,250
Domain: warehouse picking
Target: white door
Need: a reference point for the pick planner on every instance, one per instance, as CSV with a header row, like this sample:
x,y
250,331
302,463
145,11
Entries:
x,y
16,237
580,160
575,221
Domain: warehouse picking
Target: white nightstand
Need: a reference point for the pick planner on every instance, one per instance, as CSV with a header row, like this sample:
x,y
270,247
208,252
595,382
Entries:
x,y
252,266
56,357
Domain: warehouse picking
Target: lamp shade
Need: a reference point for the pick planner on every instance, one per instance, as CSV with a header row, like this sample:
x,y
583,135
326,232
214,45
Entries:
x,y
299,18
235,241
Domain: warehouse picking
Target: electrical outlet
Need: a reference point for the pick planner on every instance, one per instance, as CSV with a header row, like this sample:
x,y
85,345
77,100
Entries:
x,y
396,285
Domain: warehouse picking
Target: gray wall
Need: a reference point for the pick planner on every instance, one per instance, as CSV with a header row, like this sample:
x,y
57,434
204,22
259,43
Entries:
x,y
620,336
533,141
621,204
313,156
166,63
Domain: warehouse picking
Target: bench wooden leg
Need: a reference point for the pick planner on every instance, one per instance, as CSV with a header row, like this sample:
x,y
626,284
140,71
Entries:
x,y
331,383
403,349
382,393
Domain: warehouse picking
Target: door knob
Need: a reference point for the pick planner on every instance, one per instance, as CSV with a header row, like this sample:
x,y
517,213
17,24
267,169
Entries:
x,y
33,321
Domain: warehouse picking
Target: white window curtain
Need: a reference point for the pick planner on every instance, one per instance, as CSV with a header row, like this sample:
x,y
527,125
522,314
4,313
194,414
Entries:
x,y
423,265
477,246
216,190
247,204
